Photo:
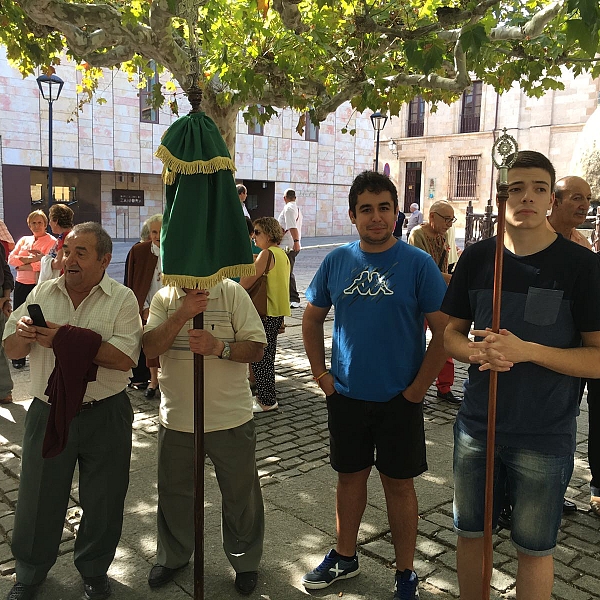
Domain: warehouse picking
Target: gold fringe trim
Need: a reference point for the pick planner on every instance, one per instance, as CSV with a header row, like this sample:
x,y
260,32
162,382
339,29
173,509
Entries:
x,y
176,165
204,283
168,177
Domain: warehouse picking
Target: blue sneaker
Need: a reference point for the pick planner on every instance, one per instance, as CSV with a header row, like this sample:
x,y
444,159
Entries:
x,y
331,569
407,585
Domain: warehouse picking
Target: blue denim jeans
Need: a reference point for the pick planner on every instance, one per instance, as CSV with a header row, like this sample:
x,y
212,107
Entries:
x,y
537,484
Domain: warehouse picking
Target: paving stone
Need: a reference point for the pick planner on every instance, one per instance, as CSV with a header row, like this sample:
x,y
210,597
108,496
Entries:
x,y
589,584
585,564
566,591
429,548
381,549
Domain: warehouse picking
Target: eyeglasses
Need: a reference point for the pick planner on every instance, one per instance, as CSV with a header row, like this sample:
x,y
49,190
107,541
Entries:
x,y
257,232
449,220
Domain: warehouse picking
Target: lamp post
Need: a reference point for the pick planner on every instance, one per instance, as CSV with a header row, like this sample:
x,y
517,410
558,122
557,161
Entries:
x,y
50,88
378,120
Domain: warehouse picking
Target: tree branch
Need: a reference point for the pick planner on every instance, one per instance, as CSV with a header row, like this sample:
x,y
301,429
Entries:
x,y
75,21
290,15
532,29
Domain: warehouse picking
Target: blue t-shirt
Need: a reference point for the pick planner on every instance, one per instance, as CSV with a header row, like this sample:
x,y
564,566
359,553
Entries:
x,y
549,298
378,332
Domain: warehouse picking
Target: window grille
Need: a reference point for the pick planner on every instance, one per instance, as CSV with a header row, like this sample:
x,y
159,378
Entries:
x,y
464,172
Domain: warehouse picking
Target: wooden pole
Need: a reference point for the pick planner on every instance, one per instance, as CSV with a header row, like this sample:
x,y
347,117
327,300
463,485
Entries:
x,y
199,468
488,555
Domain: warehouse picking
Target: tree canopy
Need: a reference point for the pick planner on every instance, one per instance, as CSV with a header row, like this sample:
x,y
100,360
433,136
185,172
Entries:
x,y
311,55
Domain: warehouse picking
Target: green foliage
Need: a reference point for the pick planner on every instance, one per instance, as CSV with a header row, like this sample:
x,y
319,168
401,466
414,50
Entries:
x,y
249,57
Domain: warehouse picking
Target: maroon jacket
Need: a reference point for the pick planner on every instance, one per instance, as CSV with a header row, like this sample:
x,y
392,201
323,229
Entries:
x,y
75,348
140,270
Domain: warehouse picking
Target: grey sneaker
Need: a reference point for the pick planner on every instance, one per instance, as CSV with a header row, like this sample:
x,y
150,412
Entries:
x,y
407,585
331,569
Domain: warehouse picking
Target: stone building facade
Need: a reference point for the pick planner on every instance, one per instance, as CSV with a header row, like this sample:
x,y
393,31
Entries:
x,y
446,155
110,146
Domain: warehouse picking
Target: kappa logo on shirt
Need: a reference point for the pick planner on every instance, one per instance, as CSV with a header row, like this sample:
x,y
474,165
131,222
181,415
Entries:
x,y
369,283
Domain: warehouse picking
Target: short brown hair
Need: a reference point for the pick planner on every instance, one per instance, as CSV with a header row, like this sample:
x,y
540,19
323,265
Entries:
x,y
271,228
62,214
37,213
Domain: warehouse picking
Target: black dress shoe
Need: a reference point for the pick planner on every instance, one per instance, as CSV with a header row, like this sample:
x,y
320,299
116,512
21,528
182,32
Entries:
x,y
568,506
19,363
96,588
160,575
20,591
151,392
142,385
449,397
246,582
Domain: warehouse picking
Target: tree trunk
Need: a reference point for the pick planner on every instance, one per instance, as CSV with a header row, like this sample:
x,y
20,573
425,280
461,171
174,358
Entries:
x,y
224,116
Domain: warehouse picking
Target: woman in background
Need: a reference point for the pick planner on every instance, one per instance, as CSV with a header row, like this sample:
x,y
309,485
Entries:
x,y
274,261
25,258
144,277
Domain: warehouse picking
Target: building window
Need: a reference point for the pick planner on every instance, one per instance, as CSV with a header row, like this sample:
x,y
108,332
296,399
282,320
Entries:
x,y
463,177
255,127
471,108
148,114
416,117
311,131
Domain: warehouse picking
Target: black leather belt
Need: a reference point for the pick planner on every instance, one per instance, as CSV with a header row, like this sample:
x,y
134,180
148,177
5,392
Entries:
x,y
92,404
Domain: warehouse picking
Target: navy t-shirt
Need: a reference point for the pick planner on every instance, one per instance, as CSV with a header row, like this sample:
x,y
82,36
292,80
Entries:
x,y
378,332
547,298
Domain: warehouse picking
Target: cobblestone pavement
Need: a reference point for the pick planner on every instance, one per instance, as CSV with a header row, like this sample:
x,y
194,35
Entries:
x,y
298,486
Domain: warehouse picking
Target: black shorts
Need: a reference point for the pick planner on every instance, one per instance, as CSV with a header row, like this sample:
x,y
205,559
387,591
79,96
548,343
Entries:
x,y
389,435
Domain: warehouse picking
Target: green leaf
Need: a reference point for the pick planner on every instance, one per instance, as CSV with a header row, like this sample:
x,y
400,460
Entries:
x,y
578,31
473,38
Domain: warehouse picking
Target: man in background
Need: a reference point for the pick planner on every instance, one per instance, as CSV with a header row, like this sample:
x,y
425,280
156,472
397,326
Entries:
x,y
415,218
290,220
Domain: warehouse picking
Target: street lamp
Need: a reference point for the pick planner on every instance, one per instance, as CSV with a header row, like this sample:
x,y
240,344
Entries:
x,y
50,88
378,120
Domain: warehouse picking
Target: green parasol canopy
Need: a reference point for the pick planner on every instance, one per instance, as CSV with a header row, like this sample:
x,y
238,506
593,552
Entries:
x,y
204,237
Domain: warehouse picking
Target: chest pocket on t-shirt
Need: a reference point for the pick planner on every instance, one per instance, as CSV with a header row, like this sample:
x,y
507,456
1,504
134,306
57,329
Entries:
x,y
542,306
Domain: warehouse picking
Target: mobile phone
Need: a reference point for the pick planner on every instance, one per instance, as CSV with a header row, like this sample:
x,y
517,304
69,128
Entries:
x,y
37,316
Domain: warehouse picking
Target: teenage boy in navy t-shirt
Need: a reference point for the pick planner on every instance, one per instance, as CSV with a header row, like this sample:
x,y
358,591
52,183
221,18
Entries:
x,y
381,289
549,338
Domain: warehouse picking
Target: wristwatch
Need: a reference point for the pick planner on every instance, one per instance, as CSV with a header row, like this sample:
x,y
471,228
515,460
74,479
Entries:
x,y
226,354
296,241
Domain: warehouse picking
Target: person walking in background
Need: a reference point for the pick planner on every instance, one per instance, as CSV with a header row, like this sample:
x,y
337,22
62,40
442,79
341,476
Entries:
x,y
399,225
415,218
232,338
61,223
290,220
6,284
431,237
144,277
381,289
6,239
25,258
93,336
243,194
273,261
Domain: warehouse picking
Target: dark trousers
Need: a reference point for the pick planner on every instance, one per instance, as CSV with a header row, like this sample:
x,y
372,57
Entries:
x,y
593,399
232,452
264,370
100,443
294,296
21,292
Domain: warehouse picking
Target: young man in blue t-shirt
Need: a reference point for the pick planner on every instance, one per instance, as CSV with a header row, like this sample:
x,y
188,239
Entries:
x,y
549,337
382,289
